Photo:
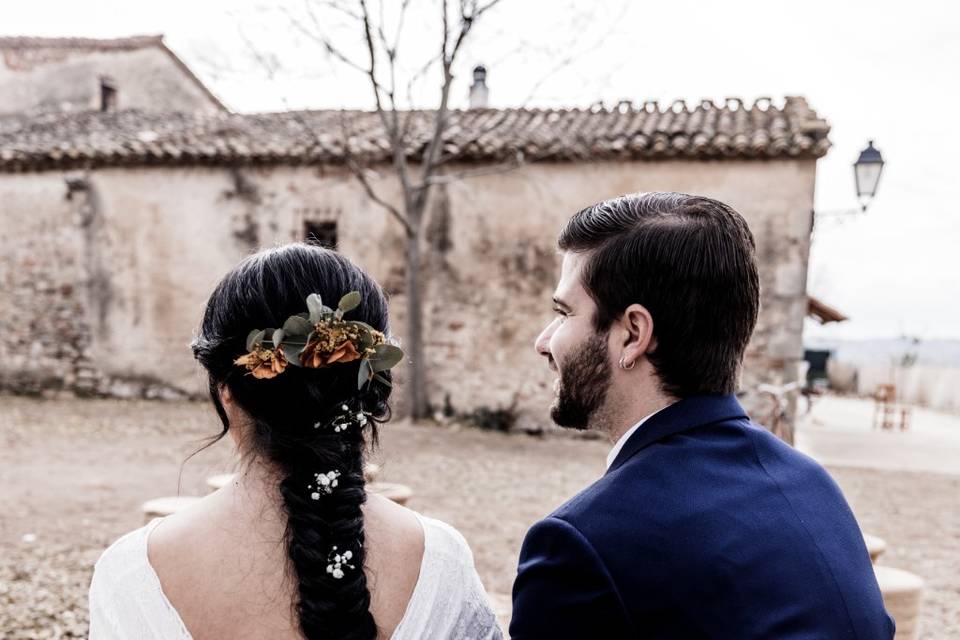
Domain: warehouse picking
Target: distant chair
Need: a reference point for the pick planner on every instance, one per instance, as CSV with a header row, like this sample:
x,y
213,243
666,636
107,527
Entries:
x,y
884,406
904,418
161,507
902,592
886,410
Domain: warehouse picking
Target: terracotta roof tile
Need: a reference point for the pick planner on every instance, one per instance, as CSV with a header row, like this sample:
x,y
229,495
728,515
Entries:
x,y
705,131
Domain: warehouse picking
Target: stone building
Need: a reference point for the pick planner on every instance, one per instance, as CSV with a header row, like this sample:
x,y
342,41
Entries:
x,y
39,75
116,226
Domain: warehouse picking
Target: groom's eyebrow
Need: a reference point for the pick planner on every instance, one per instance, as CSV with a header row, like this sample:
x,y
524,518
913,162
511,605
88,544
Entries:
x,y
560,303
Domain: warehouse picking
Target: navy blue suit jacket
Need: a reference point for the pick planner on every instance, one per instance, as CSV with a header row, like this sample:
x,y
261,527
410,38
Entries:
x,y
705,526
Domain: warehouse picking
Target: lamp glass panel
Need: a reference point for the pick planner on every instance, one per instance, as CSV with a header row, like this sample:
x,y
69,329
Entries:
x,y
867,176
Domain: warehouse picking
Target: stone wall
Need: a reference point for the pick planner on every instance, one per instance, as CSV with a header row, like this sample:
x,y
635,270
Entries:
x,y
148,79
43,310
139,250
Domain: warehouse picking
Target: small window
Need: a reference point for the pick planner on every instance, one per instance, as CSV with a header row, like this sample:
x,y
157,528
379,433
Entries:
x,y
108,94
321,233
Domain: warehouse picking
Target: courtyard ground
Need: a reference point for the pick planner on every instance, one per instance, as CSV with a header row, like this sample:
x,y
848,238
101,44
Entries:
x,y
74,473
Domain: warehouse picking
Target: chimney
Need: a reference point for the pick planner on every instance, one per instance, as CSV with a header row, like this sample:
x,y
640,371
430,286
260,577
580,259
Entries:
x,y
479,94
108,94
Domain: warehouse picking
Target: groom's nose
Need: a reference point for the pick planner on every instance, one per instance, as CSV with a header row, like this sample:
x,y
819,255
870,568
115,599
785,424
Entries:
x,y
542,343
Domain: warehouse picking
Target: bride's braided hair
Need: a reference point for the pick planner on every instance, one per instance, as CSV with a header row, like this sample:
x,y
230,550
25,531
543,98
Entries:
x,y
305,422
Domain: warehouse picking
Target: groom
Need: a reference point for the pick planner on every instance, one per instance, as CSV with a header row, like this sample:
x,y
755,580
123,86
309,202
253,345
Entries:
x,y
704,525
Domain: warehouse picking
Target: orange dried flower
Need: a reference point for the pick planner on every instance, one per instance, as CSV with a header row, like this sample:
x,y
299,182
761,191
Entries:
x,y
346,352
316,356
263,363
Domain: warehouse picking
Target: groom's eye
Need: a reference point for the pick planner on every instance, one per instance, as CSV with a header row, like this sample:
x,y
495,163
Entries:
x,y
559,311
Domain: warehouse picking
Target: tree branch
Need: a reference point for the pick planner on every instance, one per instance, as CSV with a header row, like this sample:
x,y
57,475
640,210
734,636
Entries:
x,y
567,60
361,176
483,9
440,116
390,123
359,171
400,21
336,6
317,36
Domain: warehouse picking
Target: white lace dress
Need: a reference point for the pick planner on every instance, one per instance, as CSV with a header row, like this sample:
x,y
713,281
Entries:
x,y
126,600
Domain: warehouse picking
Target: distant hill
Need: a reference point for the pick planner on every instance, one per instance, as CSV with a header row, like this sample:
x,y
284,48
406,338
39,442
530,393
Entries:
x,y
861,352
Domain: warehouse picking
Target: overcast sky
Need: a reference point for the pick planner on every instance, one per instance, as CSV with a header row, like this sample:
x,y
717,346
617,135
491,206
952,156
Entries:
x,y
875,70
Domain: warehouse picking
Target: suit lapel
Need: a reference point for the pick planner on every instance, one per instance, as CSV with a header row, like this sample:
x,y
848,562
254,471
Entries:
x,y
685,414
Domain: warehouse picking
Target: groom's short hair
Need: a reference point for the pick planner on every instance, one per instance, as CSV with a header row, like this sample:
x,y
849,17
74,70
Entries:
x,y
691,262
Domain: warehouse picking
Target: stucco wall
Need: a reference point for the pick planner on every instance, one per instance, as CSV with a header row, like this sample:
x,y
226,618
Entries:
x,y
142,248
147,79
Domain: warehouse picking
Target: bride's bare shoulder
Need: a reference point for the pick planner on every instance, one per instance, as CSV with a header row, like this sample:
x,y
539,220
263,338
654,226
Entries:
x,y
395,548
403,523
180,535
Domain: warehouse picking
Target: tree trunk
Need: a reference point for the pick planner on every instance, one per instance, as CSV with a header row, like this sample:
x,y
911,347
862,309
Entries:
x,y
416,383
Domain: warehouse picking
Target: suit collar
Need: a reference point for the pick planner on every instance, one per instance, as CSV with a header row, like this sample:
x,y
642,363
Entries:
x,y
683,415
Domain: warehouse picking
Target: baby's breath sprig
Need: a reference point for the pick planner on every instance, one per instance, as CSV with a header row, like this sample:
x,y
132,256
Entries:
x,y
326,483
337,561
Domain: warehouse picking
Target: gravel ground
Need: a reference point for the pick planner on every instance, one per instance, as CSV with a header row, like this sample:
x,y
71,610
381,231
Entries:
x,y
75,472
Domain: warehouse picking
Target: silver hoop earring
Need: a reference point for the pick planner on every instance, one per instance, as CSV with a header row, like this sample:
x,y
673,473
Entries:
x,y
625,367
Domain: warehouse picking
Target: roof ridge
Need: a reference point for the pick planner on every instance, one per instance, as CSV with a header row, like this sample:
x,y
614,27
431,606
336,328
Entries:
x,y
124,42
679,105
127,137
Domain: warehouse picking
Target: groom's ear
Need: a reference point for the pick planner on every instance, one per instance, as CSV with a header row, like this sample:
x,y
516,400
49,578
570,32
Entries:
x,y
638,340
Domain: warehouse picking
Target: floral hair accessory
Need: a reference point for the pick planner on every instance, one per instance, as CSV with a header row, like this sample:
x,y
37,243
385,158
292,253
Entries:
x,y
343,421
337,561
263,363
318,339
326,483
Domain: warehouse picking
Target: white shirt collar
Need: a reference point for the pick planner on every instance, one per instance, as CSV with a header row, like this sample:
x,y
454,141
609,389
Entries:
x,y
626,436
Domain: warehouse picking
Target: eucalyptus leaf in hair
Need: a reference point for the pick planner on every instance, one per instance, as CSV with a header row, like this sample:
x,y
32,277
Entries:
x,y
254,338
349,302
292,352
386,356
365,373
297,326
315,305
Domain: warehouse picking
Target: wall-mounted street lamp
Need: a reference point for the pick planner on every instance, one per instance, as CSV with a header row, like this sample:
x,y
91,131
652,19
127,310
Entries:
x,y
866,177
866,174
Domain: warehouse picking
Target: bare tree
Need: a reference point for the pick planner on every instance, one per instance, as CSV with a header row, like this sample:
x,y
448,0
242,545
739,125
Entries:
x,y
455,20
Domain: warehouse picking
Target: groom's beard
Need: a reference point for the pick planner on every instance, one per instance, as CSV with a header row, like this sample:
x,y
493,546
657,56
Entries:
x,y
584,380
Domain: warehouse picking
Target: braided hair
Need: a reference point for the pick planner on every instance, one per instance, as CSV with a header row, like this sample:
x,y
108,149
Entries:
x,y
309,424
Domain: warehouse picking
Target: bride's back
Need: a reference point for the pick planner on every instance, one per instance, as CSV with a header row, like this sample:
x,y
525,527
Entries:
x,y
223,564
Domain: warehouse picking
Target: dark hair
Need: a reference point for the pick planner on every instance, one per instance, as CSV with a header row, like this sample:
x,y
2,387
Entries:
x,y
691,262
263,291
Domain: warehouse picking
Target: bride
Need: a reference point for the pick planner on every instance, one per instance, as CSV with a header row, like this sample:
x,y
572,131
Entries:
x,y
294,548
